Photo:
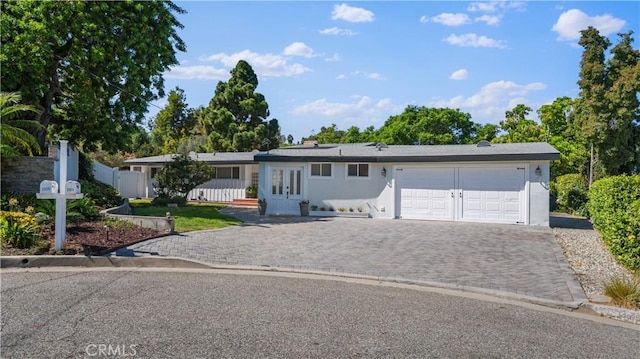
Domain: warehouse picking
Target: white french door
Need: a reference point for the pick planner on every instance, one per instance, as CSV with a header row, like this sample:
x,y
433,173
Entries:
x,y
285,190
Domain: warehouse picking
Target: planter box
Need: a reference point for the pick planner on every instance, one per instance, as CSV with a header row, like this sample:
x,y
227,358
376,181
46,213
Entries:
x,y
338,214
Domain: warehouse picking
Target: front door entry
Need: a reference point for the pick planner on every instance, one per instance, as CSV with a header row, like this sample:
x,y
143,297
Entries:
x,y
286,190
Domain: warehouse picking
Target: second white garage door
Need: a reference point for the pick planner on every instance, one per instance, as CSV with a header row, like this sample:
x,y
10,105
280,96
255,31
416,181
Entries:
x,y
492,195
478,194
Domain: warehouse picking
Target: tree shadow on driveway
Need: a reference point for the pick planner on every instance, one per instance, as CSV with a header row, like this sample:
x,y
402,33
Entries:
x,y
561,220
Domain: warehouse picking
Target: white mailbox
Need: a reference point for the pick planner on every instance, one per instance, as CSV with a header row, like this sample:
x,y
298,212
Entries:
x,y
72,187
48,187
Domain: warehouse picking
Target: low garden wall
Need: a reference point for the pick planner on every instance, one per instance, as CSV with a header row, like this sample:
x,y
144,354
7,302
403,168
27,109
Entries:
x,y
123,212
23,175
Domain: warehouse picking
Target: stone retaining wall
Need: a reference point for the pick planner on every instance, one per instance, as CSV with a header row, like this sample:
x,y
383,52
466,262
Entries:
x,y
123,212
23,175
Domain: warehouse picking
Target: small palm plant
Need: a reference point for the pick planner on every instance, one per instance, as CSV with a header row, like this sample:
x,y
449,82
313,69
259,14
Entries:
x,y
14,137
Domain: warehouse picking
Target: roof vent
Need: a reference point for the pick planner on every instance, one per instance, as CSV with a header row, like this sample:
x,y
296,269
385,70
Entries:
x,y
484,143
381,145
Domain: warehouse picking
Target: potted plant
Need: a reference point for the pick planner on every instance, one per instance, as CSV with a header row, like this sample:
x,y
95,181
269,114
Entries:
x,y
251,192
262,206
304,208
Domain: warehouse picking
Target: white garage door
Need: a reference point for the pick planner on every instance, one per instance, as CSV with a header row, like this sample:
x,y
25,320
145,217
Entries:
x,y
494,195
473,194
426,193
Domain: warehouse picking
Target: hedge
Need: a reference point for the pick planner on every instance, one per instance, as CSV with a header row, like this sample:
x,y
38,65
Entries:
x,y
571,192
614,208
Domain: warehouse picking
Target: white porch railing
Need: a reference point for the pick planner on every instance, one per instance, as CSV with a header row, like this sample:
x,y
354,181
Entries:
x,y
219,190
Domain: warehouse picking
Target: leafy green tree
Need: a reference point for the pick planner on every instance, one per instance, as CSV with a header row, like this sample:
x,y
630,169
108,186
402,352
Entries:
x,y
434,126
14,136
173,123
518,128
487,132
236,119
557,123
89,68
330,134
607,110
178,177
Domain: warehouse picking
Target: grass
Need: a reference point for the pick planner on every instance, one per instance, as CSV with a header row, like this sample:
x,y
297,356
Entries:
x,y
193,217
624,292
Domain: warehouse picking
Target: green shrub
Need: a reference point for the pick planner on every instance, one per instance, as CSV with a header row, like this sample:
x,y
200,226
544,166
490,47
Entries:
x,y
104,195
623,291
163,201
18,229
571,193
17,202
614,208
85,207
77,210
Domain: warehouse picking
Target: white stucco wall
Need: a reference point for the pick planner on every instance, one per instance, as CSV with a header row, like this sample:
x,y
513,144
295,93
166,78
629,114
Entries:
x,y
377,194
539,194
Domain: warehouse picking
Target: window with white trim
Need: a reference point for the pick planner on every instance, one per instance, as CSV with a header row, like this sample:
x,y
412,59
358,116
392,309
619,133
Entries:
x,y
358,170
227,173
321,170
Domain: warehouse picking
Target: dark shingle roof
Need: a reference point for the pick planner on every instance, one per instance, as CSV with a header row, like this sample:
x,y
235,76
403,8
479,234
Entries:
x,y
371,152
374,152
213,158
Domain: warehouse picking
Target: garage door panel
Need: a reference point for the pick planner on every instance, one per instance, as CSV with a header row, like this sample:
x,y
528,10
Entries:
x,y
492,194
426,193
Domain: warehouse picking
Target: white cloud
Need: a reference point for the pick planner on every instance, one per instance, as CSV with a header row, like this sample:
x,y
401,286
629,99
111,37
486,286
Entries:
x,y
571,22
364,110
334,58
338,31
448,19
489,19
351,14
364,74
268,65
473,40
494,6
424,19
461,74
196,73
299,49
492,99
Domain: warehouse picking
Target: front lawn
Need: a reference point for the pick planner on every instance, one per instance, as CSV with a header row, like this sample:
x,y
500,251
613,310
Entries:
x,y
193,217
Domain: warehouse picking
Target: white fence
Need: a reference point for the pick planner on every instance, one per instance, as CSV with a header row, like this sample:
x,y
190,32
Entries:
x,y
219,190
128,183
131,184
105,174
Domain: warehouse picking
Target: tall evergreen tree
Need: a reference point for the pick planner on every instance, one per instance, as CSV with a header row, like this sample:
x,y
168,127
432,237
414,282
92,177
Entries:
x,y
173,124
236,119
607,109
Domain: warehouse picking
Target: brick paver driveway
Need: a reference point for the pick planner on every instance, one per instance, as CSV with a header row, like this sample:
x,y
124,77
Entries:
x,y
500,259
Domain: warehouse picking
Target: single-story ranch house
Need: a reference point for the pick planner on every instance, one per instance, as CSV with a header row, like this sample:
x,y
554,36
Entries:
x,y
493,183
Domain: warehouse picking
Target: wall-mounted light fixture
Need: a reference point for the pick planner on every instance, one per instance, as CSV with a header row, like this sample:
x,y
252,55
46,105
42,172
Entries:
x,y
384,172
538,172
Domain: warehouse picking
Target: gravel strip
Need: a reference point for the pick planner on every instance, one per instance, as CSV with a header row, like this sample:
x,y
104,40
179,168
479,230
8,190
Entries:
x,y
591,261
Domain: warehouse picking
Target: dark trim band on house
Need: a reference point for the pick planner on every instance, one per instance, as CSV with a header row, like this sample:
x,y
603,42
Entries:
x,y
384,159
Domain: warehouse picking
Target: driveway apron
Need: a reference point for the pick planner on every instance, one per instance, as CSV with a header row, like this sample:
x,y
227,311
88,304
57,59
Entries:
x,y
520,261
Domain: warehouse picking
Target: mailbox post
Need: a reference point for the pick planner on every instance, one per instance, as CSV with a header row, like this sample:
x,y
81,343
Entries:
x,y
61,193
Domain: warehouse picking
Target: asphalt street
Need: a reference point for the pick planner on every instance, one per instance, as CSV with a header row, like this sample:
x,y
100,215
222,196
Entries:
x,y
230,314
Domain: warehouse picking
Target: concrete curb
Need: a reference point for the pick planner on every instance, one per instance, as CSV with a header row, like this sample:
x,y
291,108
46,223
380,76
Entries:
x,y
87,261
175,262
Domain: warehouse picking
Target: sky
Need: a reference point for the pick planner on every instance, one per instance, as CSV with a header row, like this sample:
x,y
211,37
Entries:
x,y
357,63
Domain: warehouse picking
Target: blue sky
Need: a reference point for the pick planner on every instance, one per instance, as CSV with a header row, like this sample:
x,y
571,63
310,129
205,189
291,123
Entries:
x,y
357,63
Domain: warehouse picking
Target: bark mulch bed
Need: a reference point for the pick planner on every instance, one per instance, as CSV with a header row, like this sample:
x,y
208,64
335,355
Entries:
x,y
90,237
